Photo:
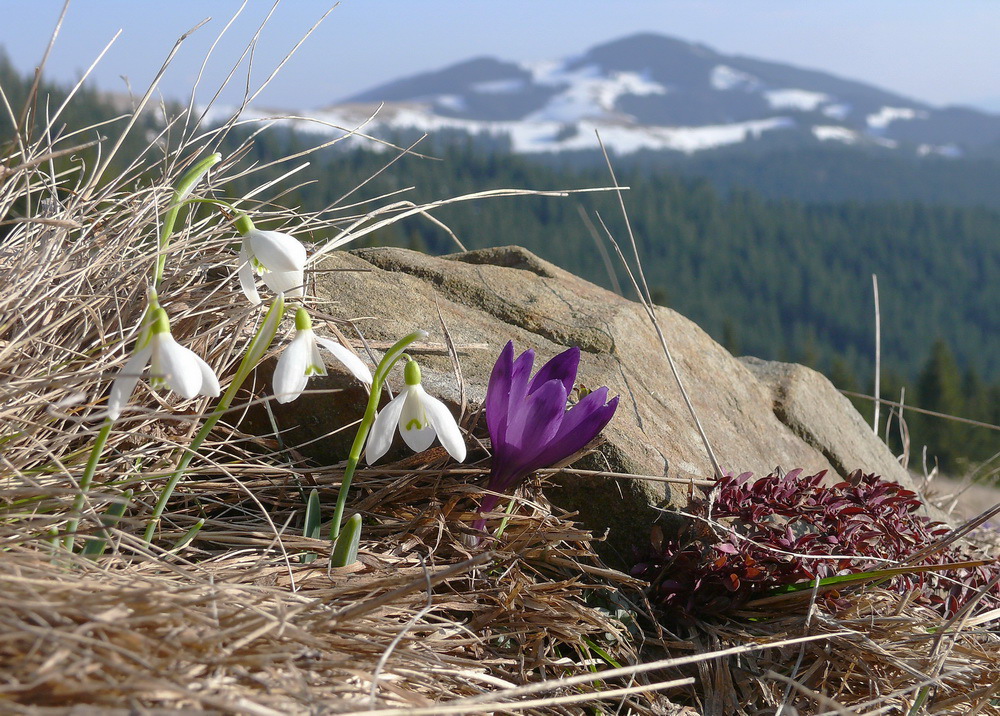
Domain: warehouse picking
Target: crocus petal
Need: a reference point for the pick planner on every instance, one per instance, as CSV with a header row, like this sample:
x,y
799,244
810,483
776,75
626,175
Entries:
x,y
445,426
277,251
290,283
581,424
416,429
563,367
246,274
519,372
488,503
593,401
358,369
530,429
289,379
121,389
498,393
177,365
380,436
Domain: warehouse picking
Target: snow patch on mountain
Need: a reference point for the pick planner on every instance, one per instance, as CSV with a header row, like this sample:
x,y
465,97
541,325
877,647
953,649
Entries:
x,y
725,78
887,115
949,151
833,133
694,139
588,93
626,139
452,102
526,137
797,99
839,111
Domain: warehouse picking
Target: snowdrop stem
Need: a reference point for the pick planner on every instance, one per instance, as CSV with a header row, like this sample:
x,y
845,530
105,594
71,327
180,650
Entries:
x,y
214,202
86,480
381,372
241,222
254,353
181,191
146,328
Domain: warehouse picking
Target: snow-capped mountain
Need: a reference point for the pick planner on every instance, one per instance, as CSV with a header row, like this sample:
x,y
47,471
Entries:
x,y
653,92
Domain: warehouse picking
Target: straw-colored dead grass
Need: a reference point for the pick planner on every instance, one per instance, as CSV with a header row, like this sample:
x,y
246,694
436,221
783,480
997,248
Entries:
x,y
230,633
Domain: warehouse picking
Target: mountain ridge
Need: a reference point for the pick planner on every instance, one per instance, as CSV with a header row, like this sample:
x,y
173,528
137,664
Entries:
x,y
652,92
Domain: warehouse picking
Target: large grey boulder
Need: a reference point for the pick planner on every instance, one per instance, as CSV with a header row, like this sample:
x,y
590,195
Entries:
x,y
488,297
821,416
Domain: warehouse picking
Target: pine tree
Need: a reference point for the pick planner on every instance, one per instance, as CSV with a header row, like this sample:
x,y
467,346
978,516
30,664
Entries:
x,y
939,388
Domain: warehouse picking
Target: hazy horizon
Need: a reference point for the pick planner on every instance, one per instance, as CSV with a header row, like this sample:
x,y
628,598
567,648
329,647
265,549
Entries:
x,y
932,52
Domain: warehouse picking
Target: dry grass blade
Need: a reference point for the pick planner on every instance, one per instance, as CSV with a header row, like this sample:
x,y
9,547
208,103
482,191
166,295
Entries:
x,y
878,355
924,411
642,291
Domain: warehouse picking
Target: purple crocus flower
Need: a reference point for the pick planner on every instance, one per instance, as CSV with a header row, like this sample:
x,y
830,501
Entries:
x,y
528,422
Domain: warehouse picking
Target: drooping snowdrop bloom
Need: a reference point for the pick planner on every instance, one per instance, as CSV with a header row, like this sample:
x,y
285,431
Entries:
x,y
419,416
302,359
171,364
279,259
528,421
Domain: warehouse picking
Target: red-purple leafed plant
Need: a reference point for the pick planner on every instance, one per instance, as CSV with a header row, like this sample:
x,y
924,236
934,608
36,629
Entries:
x,y
864,523
529,424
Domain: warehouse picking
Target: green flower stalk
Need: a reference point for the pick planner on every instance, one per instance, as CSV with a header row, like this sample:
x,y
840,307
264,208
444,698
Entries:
x,y
255,352
345,544
181,192
88,477
95,546
149,319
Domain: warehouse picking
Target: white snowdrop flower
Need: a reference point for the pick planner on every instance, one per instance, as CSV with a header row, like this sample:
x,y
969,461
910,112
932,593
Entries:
x,y
301,359
171,364
279,259
419,416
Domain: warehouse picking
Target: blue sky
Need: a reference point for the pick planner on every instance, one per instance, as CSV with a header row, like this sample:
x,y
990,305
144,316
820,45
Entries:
x,y
937,51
